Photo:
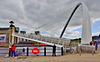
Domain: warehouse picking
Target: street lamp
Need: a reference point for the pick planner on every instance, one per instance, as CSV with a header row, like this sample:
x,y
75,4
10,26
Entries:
x,y
11,22
11,25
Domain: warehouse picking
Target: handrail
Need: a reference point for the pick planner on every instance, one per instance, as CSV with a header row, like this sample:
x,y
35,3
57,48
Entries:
x,y
58,41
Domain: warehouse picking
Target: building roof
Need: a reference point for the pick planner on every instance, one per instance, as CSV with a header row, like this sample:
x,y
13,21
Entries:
x,y
4,28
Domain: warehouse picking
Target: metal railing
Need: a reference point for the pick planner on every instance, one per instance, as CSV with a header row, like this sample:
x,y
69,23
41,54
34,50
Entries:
x,y
28,51
58,41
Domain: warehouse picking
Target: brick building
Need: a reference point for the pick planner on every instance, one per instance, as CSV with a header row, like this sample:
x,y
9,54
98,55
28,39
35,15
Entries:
x,y
5,35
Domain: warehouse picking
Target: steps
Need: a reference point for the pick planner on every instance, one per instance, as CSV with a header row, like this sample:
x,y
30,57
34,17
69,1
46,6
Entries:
x,y
4,51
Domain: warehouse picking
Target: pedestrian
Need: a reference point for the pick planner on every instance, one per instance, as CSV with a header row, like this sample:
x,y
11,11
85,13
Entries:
x,y
13,48
17,53
96,45
9,49
23,52
91,43
54,50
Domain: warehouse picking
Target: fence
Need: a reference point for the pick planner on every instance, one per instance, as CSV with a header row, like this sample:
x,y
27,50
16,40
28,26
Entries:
x,y
42,50
28,50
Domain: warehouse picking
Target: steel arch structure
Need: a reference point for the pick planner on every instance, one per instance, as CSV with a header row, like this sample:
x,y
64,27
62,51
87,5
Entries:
x,y
86,21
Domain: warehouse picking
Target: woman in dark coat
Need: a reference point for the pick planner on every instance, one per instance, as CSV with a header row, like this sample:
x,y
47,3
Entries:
x,y
54,50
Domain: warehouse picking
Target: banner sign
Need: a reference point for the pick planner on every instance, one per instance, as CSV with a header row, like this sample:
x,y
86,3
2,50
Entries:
x,y
2,38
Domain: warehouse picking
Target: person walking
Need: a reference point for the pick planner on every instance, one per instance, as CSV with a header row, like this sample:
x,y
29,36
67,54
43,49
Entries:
x,y
23,53
96,45
13,48
54,50
9,49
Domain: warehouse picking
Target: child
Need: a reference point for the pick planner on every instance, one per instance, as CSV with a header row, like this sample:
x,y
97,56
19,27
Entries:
x,y
23,53
17,53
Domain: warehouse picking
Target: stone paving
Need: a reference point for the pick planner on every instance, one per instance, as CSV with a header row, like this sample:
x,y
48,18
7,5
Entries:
x,y
64,58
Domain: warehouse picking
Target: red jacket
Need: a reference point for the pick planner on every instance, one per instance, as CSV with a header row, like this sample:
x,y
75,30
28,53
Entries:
x,y
13,48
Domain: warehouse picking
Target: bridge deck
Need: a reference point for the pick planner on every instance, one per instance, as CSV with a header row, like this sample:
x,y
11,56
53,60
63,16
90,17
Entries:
x,y
59,42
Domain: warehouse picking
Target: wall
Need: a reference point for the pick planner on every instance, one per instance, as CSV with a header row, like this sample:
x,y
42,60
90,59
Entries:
x,y
4,36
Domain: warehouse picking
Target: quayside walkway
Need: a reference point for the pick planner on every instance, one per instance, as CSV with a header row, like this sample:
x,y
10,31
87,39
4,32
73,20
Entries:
x,y
64,58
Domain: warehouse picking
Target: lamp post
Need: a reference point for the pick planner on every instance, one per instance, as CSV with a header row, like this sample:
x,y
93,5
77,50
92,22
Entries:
x,y
11,24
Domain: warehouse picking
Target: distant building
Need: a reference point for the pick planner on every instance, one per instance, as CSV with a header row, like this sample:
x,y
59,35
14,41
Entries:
x,y
37,32
5,35
96,38
23,32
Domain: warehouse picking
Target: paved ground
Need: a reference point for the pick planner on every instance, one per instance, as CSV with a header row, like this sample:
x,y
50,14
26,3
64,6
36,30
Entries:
x,y
64,58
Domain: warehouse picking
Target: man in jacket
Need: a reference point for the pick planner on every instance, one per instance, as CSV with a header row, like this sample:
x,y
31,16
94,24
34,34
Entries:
x,y
13,48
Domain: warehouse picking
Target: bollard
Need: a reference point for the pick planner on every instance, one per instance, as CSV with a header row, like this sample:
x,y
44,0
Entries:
x,y
44,51
27,51
79,50
92,50
61,50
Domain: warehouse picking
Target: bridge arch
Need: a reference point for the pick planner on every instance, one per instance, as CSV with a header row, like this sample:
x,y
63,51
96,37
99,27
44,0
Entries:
x,y
86,24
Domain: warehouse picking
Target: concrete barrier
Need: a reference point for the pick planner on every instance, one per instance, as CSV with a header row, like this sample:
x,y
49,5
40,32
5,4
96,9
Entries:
x,y
86,49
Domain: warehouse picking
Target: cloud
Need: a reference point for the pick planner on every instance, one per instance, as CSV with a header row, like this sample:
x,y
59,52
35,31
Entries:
x,y
72,34
46,15
96,34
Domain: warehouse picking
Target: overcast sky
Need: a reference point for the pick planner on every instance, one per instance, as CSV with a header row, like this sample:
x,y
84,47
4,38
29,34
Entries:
x,y
49,16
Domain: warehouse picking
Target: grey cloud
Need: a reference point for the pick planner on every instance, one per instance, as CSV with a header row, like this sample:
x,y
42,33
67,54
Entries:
x,y
45,15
